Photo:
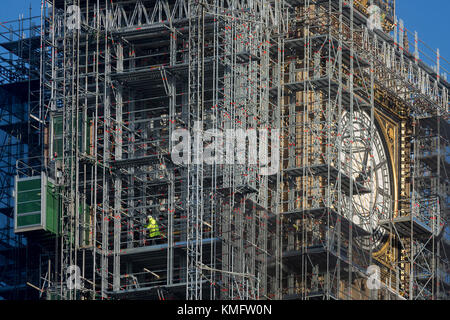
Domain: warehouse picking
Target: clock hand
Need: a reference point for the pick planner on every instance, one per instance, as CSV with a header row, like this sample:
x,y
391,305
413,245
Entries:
x,y
366,160
364,174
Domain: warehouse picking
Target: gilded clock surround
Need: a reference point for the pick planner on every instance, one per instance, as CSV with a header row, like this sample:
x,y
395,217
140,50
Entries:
x,y
390,131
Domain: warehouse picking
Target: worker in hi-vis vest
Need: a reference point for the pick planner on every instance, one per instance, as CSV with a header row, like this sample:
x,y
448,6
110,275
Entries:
x,y
152,227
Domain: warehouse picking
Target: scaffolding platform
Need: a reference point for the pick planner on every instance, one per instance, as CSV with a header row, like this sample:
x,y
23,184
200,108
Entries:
x,y
317,295
432,122
24,47
320,295
147,252
328,86
424,278
141,161
325,213
241,190
406,226
254,205
318,40
318,255
314,295
322,171
171,292
431,161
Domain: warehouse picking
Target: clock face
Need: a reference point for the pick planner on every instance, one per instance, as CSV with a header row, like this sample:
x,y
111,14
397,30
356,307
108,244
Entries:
x,y
372,194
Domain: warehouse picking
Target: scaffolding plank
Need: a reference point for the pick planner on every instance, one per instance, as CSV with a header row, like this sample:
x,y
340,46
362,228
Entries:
x,y
322,171
323,214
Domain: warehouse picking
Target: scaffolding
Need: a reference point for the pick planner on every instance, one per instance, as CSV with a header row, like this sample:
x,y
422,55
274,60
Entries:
x,y
350,195
20,134
120,86
363,147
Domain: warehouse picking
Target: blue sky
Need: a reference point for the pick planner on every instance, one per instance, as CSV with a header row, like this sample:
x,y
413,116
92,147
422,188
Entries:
x,y
431,20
